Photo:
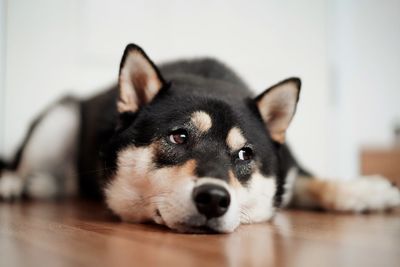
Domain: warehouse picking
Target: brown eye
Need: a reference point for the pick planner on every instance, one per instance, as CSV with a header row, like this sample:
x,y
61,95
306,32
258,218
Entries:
x,y
245,154
178,137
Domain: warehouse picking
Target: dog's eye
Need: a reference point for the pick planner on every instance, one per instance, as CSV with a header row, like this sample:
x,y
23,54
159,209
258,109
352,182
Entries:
x,y
245,153
178,137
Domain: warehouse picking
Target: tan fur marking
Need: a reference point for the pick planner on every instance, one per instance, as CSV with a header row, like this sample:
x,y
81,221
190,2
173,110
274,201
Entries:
x,y
133,192
356,195
233,180
314,192
186,170
235,139
131,184
201,121
279,137
323,193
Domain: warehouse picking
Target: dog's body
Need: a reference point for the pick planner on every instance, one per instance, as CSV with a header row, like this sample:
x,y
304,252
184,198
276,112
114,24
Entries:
x,y
185,145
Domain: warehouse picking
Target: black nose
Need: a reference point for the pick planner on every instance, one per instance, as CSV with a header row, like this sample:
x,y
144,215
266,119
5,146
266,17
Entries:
x,y
211,200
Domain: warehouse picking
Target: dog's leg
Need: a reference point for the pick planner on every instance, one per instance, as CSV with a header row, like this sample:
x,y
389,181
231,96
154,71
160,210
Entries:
x,y
45,164
370,193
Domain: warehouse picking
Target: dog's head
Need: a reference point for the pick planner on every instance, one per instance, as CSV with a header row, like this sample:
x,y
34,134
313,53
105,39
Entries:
x,y
191,162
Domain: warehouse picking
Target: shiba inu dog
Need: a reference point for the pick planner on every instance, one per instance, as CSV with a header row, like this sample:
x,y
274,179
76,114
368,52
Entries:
x,y
185,145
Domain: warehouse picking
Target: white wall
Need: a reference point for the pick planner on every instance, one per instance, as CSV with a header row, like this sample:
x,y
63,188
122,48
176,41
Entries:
x,y
2,69
365,60
56,46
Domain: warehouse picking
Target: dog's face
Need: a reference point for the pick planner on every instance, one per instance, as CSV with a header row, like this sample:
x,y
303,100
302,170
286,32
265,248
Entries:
x,y
194,164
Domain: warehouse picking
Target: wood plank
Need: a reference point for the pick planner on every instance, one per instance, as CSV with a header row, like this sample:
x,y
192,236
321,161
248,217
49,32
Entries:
x,y
82,233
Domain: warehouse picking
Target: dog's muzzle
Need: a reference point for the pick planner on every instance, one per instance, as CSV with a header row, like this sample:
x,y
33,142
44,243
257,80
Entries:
x,y
211,200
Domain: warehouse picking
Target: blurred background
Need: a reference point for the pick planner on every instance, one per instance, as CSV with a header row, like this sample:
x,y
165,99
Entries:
x,y
347,53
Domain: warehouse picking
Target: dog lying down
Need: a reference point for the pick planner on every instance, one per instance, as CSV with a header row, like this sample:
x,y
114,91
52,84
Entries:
x,y
184,145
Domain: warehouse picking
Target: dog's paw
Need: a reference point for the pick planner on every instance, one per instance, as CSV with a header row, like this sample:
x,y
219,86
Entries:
x,y
11,186
370,193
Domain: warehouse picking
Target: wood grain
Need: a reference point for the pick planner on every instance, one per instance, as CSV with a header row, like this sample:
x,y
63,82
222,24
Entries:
x,y
82,233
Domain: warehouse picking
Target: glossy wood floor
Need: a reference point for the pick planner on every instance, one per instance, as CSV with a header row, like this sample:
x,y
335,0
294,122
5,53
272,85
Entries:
x,y
78,233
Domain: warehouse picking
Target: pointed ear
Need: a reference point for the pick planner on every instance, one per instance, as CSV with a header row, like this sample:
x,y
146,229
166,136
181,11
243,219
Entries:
x,y
139,80
277,106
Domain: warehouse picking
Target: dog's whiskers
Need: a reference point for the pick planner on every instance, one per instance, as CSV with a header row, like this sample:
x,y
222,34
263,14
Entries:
x,y
244,215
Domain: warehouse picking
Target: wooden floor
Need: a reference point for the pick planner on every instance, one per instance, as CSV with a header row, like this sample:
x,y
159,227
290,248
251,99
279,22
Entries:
x,y
78,233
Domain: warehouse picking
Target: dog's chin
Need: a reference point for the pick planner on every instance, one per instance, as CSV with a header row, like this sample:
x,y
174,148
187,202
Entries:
x,y
197,225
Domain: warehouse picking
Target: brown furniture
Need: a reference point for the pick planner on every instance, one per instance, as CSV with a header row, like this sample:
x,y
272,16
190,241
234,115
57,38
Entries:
x,y
384,161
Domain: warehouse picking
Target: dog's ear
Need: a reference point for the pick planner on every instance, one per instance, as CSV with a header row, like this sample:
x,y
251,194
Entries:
x,y
139,80
277,106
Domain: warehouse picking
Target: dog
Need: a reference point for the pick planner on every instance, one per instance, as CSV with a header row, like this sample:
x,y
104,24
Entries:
x,y
185,145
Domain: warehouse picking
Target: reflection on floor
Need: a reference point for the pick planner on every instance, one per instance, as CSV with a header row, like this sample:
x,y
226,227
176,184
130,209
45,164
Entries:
x,y
81,233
